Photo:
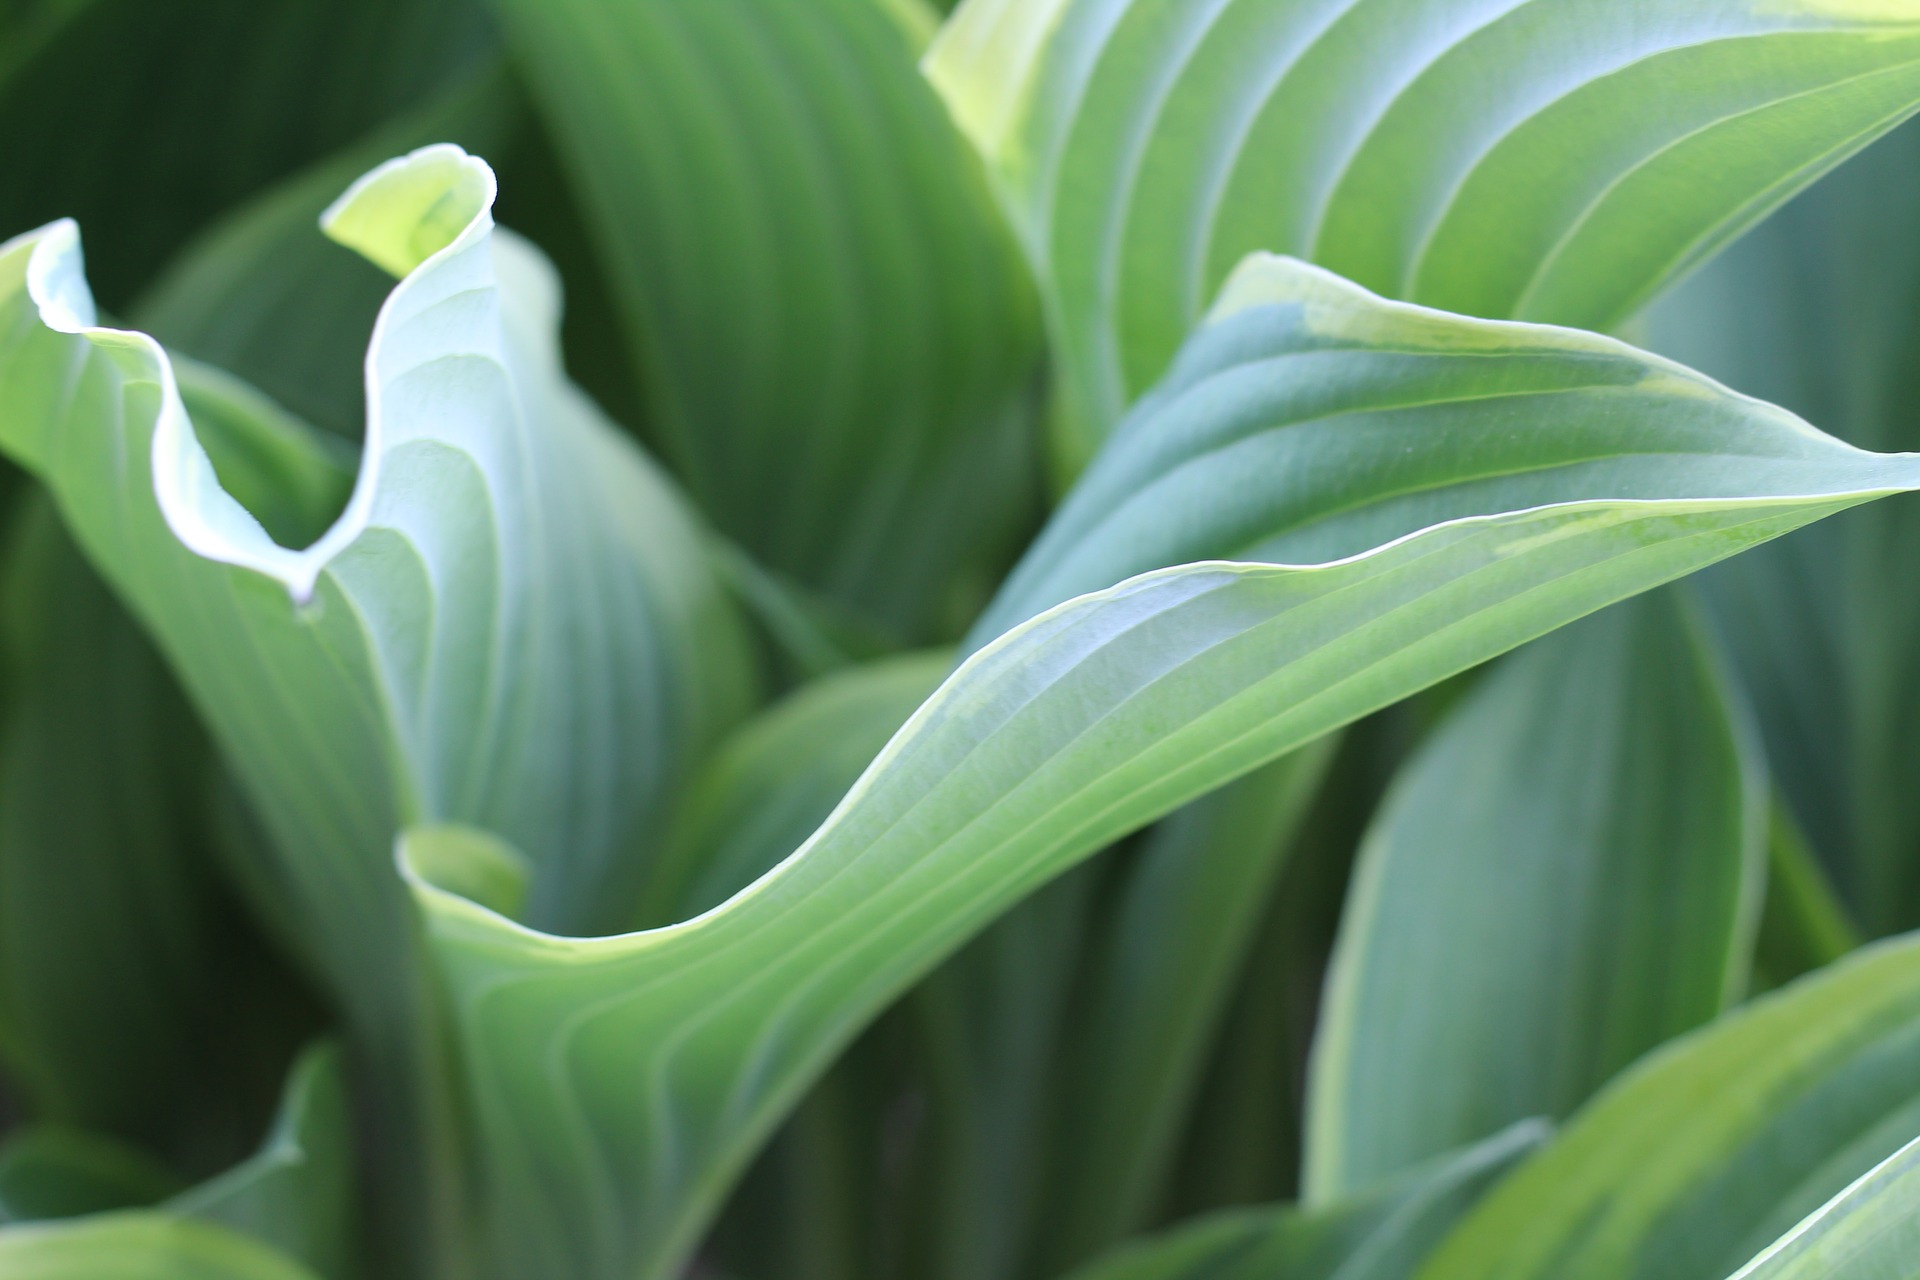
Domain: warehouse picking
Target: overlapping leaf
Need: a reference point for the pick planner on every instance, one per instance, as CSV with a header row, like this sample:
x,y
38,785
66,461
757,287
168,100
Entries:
x,y
1557,160
1819,311
511,623
1870,1231
1714,1147
1564,877
139,1246
1379,1236
836,335
618,1081
1154,993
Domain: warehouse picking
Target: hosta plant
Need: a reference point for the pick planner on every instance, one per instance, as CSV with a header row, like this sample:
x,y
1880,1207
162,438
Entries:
x,y
906,679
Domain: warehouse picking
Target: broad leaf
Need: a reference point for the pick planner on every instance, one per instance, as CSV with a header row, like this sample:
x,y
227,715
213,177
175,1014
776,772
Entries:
x,y
1380,1236
512,622
1310,421
138,1246
836,336
1716,1145
1074,728
1870,1231
1554,160
1820,311
1564,877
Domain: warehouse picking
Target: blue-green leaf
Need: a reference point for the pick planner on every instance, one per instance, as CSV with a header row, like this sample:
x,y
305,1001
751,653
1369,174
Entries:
x,y
1565,876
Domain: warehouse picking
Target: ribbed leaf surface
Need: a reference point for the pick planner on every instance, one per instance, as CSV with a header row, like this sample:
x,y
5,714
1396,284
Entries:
x,y
837,337
618,1081
1556,160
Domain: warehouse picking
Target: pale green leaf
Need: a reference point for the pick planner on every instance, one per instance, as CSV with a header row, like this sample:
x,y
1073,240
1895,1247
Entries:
x,y
836,336
1379,1236
618,1083
1565,876
138,1246
1555,160
241,284
1717,1144
1870,1231
1309,421
512,624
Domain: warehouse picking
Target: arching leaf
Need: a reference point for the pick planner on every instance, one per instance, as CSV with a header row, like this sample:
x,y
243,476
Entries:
x,y
681,1047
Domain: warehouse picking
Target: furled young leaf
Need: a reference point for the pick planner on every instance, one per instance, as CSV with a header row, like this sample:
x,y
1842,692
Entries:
x,y
1555,160
1156,988
1714,1146
1870,1231
1566,876
512,623
836,335
234,292
297,1192
138,1246
1379,1236
1076,727
1820,311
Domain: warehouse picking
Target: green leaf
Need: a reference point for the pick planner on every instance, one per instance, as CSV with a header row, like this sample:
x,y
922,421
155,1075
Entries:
x,y
1565,876
134,1000
836,336
107,896
1803,925
195,107
50,1171
683,1046
1715,1145
779,776
512,624
1870,1231
1310,421
1818,312
1380,1236
1157,986
297,1192
236,290
138,1246
1555,160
